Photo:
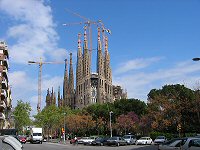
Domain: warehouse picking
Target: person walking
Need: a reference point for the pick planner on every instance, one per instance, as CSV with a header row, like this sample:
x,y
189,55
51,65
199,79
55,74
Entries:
x,y
75,140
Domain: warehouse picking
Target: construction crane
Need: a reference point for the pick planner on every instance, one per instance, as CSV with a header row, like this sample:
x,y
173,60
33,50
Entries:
x,y
104,30
40,63
87,23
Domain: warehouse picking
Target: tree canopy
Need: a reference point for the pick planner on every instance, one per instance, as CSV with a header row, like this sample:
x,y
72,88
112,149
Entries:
x,y
22,115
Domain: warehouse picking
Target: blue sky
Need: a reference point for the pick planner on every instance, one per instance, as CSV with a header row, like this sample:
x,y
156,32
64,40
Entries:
x,y
152,42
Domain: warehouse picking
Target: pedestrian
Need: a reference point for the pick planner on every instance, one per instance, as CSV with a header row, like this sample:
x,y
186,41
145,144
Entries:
x,y
75,140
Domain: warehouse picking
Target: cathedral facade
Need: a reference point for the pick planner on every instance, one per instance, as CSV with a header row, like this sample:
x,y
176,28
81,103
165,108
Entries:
x,y
90,88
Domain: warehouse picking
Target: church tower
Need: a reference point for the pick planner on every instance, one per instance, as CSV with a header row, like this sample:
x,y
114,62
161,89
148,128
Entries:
x,y
65,86
86,86
71,98
79,75
100,72
93,87
108,74
48,98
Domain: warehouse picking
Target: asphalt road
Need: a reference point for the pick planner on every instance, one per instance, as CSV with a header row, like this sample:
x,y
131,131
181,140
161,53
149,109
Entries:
x,y
56,146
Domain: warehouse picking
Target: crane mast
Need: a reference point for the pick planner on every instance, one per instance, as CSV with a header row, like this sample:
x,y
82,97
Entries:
x,y
40,63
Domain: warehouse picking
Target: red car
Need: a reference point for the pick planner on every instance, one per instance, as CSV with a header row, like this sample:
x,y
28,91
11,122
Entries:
x,y
22,139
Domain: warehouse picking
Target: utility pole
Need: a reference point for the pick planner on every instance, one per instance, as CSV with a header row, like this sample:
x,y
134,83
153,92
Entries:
x,y
40,63
110,123
64,128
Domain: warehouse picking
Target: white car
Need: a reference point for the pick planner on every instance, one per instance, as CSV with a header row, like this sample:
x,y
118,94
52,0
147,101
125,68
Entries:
x,y
86,140
144,141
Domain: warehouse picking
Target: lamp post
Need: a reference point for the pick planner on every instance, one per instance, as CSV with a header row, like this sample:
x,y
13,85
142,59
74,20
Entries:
x,y
64,128
110,123
196,59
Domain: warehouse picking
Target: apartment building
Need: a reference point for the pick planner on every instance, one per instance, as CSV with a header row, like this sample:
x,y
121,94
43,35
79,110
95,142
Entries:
x,y
5,98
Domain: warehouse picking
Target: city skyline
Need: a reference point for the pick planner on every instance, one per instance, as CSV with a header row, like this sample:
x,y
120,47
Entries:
x,y
151,44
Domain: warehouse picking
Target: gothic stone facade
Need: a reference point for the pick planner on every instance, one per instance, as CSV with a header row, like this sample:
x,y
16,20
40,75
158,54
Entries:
x,y
90,87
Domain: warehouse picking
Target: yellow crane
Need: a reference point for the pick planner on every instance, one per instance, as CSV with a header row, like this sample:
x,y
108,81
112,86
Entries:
x,y
40,63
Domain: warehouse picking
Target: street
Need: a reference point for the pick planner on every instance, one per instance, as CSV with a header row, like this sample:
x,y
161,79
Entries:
x,y
56,146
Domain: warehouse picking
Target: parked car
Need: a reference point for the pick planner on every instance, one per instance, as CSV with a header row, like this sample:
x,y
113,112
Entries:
x,y
10,142
130,139
182,143
194,144
117,141
22,139
86,140
160,140
100,141
144,141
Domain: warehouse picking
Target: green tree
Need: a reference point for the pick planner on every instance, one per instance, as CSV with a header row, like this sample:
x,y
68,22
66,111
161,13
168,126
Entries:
x,y
170,106
49,118
22,115
100,114
124,106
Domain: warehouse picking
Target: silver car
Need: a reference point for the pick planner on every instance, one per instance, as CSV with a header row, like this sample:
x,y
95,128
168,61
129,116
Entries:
x,y
159,140
130,139
116,140
183,144
9,142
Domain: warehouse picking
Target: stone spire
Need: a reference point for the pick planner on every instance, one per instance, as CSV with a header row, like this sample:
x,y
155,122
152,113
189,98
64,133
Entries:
x,y
108,74
86,72
53,98
86,56
59,99
79,73
100,71
65,85
48,98
71,83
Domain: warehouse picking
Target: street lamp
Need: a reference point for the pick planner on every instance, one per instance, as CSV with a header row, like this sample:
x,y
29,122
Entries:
x,y
196,59
110,123
64,128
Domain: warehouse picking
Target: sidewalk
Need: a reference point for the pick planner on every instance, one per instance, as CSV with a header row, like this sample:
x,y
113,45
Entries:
x,y
58,141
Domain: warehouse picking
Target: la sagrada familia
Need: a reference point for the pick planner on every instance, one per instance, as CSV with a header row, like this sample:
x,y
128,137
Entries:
x,y
90,88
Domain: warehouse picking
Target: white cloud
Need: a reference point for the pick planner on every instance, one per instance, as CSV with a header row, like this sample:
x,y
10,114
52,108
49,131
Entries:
x,y
34,32
21,80
52,82
139,85
136,64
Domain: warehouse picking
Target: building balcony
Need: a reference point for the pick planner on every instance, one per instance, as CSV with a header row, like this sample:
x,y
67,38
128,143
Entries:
x,y
4,47
6,62
6,51
9,105
2,116
4,83
4,59
2,105
5,72
3,94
